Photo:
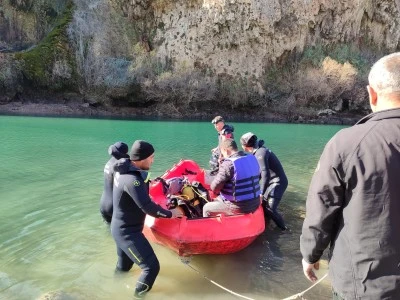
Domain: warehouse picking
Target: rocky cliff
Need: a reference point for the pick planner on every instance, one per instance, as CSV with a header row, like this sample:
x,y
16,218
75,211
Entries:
x,y
23,23
241,37
250,53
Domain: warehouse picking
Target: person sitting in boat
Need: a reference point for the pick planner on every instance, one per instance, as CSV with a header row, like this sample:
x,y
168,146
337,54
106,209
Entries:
x,y
237,183
117,151
224,131
131,203
273,181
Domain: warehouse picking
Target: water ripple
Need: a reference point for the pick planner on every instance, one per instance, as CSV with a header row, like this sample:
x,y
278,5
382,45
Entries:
x,y
34,213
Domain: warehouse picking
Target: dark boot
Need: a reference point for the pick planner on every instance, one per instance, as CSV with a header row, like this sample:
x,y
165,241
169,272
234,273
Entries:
x,y
141,290
269,213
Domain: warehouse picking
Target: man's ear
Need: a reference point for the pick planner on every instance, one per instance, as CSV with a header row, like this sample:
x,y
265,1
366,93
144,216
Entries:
x,y
373,98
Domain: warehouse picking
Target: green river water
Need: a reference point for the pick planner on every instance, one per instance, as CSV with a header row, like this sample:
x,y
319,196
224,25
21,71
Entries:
x,y
53,239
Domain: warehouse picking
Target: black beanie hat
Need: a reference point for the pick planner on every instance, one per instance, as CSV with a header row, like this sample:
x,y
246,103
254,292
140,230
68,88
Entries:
x,y
141,150
119,150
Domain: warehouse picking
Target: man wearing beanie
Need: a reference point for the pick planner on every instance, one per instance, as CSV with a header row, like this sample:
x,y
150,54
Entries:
x,y
131,203
117,151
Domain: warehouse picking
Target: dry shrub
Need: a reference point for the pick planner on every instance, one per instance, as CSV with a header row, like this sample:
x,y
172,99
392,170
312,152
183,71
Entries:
x,y
181,89
239,92
163,5
291,109
101,43
339,75
321,87
146,66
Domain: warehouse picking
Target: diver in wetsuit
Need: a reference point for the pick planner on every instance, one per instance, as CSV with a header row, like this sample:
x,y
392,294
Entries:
x,y
273,182
117,151
131,202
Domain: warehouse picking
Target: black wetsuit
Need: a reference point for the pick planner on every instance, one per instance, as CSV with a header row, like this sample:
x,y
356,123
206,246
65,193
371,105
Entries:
x,y
106,202
273,182
131,203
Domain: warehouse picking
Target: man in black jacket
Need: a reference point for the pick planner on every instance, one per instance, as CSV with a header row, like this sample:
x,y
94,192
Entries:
x,y
131,203
353,203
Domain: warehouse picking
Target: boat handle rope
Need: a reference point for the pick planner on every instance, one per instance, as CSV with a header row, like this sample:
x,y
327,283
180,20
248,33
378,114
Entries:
x,y
300,295
215,283
186,262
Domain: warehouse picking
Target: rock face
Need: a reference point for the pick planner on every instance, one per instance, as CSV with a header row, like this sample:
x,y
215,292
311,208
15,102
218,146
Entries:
x,y
233,37
120,48
23,23
241,37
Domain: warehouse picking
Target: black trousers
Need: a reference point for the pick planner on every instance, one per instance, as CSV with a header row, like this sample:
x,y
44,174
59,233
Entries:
x,y
132,249
270,206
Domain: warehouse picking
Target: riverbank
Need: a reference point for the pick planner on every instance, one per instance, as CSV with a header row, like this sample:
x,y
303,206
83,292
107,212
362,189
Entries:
x,y
73,106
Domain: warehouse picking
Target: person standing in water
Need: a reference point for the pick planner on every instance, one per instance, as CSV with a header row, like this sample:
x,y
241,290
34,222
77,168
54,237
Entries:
x,y
117,151
131,203
273,181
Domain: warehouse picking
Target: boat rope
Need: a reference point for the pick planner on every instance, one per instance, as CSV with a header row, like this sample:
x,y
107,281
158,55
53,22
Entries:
x,y
300,295
213,282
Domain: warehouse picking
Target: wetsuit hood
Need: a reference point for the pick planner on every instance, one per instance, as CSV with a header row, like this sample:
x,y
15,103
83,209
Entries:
x,y
124,166
118,150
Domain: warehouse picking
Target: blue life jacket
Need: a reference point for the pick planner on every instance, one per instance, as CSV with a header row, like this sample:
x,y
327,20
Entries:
x,y
245,183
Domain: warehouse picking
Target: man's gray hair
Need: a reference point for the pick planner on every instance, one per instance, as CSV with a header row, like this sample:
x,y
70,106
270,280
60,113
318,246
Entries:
x,y
229,144
384,76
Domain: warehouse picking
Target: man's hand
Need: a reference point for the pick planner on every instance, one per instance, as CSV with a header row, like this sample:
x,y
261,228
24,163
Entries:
x,y
308,270
176,213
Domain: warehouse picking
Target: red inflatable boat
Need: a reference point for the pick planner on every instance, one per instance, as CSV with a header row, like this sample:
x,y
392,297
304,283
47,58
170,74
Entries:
x,y
211,235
